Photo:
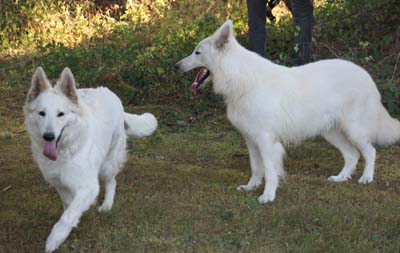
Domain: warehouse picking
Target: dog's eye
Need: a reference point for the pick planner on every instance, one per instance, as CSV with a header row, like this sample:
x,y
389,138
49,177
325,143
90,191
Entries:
x,y
42,113
197,52
60,114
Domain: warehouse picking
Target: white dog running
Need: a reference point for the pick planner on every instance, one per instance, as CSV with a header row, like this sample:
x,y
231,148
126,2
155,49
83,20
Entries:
x,y
272,105
76,137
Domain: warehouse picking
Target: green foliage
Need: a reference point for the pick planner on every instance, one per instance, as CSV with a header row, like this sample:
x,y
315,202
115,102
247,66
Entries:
x,y
133,45
390,95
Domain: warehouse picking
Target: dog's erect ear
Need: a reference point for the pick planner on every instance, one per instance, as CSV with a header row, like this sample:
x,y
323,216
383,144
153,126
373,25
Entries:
x,y
39,84
66,85
223,34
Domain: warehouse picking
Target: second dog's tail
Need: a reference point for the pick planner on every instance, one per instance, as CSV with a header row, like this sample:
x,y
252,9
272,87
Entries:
x,y
389,129
140,125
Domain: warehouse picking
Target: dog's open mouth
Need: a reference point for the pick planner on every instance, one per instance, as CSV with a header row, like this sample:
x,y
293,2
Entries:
x,y
201,76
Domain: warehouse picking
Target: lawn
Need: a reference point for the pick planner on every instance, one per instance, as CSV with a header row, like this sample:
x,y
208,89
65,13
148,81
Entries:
x,y
177,193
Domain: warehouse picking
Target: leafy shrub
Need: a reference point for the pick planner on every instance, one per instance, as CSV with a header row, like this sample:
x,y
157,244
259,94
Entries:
x,y
133,45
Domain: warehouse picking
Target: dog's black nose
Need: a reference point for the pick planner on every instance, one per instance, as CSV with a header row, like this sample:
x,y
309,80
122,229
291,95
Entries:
x,y
177,66
49,136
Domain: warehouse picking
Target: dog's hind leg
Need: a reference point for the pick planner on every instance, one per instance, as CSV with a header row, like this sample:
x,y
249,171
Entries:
x,y
272,153
369,153
257,169
359,136
110,185
348,151
110,168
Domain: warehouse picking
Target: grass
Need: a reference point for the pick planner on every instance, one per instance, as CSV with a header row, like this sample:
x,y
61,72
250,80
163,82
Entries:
x,y
177,194
177,191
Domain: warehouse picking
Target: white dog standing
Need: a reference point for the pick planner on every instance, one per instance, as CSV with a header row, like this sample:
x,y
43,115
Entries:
x,y
78,136
272,105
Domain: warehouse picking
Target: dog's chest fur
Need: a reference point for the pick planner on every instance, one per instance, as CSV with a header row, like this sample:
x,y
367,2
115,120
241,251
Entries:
x,y
51,172
241,118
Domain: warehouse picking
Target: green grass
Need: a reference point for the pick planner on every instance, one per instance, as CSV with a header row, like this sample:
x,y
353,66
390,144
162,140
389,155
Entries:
x,y
177,193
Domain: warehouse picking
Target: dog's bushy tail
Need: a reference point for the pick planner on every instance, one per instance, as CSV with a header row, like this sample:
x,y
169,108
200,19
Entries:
x,y
388,132
140,125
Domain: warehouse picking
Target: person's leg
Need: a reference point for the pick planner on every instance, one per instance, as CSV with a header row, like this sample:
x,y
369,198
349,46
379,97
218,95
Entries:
x,y
256,10
303,18
288,4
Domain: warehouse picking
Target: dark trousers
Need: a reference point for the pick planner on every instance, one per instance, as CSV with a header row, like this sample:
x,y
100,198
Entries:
x,y
303,18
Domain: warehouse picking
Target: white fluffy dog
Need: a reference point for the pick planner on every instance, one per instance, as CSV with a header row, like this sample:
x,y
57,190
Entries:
x,y
76,137
272,105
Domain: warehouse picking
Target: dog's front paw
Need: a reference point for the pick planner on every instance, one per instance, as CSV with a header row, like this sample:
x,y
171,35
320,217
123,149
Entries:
x,y
266,198
365,179
57,236
339,178
52,244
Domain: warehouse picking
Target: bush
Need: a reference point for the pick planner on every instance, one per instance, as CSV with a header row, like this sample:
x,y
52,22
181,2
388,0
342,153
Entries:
x,y
132,45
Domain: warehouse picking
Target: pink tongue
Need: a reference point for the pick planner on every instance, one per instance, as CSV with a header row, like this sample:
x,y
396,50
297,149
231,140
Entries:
x,y
199,79
50,150
194,88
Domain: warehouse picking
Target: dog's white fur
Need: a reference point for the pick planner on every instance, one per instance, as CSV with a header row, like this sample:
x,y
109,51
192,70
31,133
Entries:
x,y
92,143
272,105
